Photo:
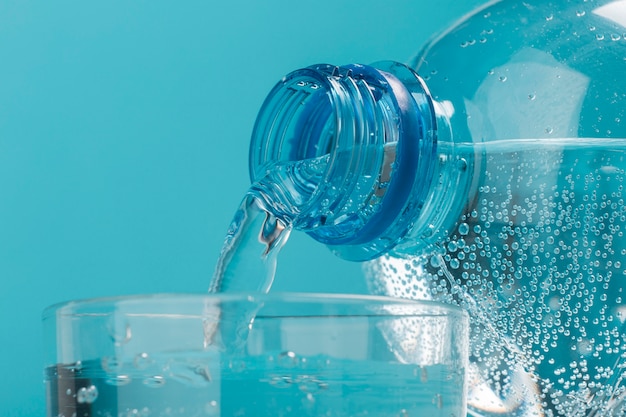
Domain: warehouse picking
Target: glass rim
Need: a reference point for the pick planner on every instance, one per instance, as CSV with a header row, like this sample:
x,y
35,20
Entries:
x,y
287,297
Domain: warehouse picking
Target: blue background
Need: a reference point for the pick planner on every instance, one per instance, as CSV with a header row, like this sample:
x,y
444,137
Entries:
x,y
124,130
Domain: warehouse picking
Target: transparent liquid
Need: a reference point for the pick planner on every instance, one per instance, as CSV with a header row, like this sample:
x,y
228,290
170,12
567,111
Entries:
x,y
271,208
283,384
538,257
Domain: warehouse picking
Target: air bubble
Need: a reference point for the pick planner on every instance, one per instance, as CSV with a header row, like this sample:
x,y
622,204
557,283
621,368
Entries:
x,y
211,408
156,381
464,229
142,361
118,380
87,395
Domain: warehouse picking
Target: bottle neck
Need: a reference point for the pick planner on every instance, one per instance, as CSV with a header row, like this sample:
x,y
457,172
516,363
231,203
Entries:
x,y
369,134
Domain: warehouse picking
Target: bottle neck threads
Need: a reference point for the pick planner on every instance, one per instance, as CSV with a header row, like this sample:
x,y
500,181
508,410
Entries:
x,y
370,133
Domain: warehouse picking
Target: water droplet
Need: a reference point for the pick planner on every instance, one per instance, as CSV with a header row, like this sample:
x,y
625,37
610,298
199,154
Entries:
x,y
155,381
549,17
600,36
532,96
424,375
204,372
502,78
549,130
615,37
68,391
87,395
438,401
119,330
464,44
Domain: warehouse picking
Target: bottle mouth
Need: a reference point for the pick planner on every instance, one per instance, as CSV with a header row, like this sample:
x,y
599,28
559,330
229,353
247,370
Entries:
x,y
369,136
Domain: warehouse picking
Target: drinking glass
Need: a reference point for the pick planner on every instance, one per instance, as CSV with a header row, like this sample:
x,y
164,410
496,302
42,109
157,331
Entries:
x,y
255,355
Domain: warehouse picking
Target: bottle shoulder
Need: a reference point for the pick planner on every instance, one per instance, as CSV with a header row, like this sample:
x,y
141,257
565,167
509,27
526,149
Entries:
x,y
531,70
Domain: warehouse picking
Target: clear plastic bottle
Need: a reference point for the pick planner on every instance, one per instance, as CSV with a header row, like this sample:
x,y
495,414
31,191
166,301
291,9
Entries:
x,y
494,179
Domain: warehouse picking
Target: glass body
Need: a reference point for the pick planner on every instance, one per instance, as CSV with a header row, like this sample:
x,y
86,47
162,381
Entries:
x,y
262,355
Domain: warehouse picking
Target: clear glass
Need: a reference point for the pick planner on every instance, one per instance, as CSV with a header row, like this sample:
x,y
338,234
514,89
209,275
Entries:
x,y
261,355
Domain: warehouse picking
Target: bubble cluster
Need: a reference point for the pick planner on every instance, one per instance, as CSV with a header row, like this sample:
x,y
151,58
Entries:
x,y
87,395
537,257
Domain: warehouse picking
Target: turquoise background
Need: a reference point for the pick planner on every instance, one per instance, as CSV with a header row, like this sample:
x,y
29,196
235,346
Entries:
x,y
124,131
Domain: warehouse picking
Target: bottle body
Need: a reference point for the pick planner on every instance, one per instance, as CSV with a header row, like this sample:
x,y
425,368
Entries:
x,y
535,100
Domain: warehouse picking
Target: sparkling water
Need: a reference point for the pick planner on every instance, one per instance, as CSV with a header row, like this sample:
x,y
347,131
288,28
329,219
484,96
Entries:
x,y
538,256
280,384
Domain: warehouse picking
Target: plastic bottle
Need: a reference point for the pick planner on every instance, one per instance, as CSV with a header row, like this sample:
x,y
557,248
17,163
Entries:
x,y
493,179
